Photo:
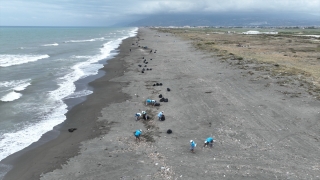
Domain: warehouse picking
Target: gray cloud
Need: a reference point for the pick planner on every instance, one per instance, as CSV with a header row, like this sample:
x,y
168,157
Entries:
x,y
213,6
107,12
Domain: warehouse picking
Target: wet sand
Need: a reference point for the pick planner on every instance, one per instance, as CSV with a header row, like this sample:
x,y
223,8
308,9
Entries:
x,y
260,131
44,156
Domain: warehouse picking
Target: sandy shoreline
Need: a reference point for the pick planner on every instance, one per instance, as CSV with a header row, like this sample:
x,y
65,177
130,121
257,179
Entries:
x,y
50,155
261,132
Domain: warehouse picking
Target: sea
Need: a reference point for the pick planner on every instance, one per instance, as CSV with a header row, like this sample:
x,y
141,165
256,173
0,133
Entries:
x,y
41,68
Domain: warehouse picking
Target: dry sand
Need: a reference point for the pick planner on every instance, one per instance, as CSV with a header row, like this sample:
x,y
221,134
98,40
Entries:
x,y
263,130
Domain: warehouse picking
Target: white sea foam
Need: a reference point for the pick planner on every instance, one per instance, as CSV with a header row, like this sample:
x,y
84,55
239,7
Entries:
x,y
21,87
53,114
54,44
26,48
92,69
15,141
17,85
12,87
7,60
81,57
85,40
79,94
133,32
11,96
82,70
315,36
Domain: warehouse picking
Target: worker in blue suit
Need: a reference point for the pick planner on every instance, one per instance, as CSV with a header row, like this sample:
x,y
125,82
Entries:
x,y
137,134
209,141
192,145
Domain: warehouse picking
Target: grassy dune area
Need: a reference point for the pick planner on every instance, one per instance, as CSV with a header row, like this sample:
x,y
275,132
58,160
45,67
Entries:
x,y
291,52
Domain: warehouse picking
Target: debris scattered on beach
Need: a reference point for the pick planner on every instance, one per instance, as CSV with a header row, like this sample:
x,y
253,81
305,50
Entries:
x,y
72,129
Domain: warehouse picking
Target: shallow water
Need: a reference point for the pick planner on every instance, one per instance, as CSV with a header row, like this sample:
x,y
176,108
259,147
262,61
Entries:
x,y
42,68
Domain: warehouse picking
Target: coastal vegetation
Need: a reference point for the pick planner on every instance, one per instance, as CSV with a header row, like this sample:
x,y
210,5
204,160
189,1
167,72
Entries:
x,y
293,52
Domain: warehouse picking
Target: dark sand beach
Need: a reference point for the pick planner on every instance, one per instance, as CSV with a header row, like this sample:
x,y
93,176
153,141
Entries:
x,y
50,155
260,131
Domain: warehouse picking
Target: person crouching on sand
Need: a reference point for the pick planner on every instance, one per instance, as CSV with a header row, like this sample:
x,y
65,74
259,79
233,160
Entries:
x,y
209,141
152,102
144,115
148,101
138,115
160,115
192,145
137,134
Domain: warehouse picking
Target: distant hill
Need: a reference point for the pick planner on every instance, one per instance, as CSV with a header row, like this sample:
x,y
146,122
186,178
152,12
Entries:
x,y
229,19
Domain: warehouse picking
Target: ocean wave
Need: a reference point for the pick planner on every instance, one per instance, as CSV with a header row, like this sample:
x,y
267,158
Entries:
x,y
21,87
81,57
11,96
316,36
79,94
86,40
54,44
7,60
17,85
26,48
90,68
53,111
133,32
82,70
13,87
12,142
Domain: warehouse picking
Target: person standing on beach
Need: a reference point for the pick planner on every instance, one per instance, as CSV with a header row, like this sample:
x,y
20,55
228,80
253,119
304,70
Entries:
x,y
160,115
209,141
192,145
137,134
138,115
144,115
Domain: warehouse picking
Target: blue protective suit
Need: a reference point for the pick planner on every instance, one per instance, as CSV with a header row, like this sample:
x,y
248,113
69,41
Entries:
x,y
209,139
193,144
137,133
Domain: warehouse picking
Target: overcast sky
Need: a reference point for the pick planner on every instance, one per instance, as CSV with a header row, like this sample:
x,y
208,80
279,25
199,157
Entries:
x,y
108,12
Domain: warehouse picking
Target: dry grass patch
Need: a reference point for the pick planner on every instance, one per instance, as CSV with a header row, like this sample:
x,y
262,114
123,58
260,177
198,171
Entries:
x,y
295,55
